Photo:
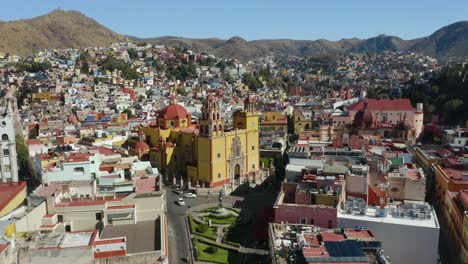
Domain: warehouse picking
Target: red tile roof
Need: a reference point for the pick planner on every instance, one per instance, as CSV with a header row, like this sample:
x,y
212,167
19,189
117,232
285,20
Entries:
x,y
315,252
3,247
189,130
117,207
105,151
109,241
76,160
146,184
48,226
110,254
34,142
359,233
328,236
9,190
173,111
383,105
455,174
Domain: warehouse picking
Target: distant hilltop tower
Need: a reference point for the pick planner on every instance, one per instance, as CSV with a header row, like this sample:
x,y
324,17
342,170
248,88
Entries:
x,y
8,158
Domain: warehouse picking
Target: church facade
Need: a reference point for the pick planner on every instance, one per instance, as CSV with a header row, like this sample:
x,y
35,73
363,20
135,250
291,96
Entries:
x,y
206,154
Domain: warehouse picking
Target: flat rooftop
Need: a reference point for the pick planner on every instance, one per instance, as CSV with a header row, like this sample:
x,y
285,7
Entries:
x,y
65,240
369,216
141,237
147,184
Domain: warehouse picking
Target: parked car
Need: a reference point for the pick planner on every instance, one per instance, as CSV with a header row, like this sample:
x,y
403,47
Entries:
x,y
180,201
190,195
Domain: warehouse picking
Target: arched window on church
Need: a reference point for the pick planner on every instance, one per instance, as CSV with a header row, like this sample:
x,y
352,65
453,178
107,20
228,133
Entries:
x,y
201,129
220,128
214,116
214,128
217,114
5,137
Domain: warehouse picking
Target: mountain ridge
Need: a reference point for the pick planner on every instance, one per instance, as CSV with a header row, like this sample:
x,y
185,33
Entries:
x,y
57,29
72,29
448,42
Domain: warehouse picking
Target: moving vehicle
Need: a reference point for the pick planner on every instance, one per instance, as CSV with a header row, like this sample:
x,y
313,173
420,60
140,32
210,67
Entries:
x,y
180,201
190,195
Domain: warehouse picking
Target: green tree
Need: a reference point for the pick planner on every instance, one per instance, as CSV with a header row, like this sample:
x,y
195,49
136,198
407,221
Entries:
x,y
228,78
182,72
74,111
132,53
84,56
34,133
451,110
84,67
22,155
128,112
111,64
181,90
251,81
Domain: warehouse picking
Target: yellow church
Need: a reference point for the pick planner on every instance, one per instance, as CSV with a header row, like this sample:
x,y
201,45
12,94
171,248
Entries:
x,y
205,154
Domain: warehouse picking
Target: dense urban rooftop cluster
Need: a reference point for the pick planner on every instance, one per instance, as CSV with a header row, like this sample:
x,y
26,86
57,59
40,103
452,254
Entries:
x,y
92,140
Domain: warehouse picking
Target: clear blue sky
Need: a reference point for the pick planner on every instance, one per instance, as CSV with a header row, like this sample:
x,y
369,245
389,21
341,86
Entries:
x,y
256,19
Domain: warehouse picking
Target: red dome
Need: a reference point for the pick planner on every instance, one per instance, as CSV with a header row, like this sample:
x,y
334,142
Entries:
x,y
142,146
364,117
174,111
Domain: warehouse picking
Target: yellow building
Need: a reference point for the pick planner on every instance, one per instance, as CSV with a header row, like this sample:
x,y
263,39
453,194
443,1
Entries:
x,y
274,121
41,96
206,154
301,123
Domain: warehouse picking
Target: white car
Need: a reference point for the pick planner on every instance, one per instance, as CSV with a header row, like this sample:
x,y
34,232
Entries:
x,y
190,195
180,201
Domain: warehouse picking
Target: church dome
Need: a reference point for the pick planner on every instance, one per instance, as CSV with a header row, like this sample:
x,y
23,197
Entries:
x,y
364,118
174,111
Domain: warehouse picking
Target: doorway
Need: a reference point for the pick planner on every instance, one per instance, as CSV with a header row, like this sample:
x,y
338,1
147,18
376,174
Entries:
x,y
237,172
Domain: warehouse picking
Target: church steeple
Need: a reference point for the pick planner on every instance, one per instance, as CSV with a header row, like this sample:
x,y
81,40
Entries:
x,y
249,104
211,120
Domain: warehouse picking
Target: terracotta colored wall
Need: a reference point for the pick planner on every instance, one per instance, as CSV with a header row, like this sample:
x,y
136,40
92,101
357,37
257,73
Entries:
x,y
293,213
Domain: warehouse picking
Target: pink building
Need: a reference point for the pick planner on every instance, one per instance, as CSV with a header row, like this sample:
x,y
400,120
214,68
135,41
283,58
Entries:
x,y
386,112
312,201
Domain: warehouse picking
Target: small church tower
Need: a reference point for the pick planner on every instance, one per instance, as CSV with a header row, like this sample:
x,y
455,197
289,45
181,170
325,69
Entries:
x,y
248,118
211,120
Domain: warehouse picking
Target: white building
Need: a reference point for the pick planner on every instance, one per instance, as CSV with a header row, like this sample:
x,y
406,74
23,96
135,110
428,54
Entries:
x,y
8,161
409,232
